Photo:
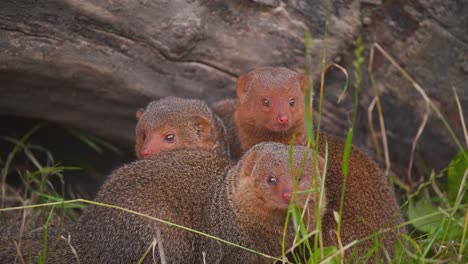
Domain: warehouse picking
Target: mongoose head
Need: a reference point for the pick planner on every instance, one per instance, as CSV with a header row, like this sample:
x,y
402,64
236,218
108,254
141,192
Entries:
x,y
265,175
271,99
176,123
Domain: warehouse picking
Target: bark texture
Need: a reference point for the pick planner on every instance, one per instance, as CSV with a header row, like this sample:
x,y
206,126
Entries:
x,y
93,63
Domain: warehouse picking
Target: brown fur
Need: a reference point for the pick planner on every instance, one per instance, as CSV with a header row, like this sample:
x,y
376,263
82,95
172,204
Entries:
x,y
257,210
370,204
254,122
175,186
192,188
30,246
191,123
225,109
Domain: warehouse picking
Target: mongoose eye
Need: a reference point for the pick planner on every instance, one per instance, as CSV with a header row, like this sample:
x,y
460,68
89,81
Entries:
x,y
144,136
266,102
272,180
292,102
169,137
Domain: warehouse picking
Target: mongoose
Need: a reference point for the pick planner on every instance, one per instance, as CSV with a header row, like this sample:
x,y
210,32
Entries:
x,y
199,189
258,191
370,203
174,123
269,107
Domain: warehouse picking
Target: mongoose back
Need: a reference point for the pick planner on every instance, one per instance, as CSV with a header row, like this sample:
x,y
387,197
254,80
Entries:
x,y
269,107
176,123
369,201
175,186
193,188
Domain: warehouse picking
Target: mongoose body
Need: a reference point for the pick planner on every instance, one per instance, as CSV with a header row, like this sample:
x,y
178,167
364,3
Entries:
x,y
369,201
174,186
176,123
269,107
193,188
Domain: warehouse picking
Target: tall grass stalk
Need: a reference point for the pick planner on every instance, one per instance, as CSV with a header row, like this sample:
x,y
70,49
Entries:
x,y
357,75
42,258
309,120
298,219
463,238
150,248
293,210
428,102
338,253
456,205
460,113
313,141
380,115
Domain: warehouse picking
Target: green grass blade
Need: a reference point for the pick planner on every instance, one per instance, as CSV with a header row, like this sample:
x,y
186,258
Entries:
x,y
11,156
347,150
308,102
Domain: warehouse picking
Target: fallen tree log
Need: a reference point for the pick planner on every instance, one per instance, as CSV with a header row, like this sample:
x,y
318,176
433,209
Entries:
x,y
91,64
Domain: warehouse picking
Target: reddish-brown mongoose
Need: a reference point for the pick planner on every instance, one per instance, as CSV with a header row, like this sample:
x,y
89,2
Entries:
x,y
258,191
175,123
193,188
269,107
370,203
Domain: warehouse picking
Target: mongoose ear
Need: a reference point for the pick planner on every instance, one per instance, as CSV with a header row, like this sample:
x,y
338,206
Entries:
x,y
203,126
303,82
139,113
248,163
241,85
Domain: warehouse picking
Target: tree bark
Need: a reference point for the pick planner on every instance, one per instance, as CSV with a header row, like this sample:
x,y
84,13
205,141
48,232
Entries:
x,y
93,63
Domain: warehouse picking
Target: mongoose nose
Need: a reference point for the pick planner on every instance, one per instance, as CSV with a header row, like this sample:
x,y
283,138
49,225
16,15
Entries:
x,y
286,196
145,153
283,119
